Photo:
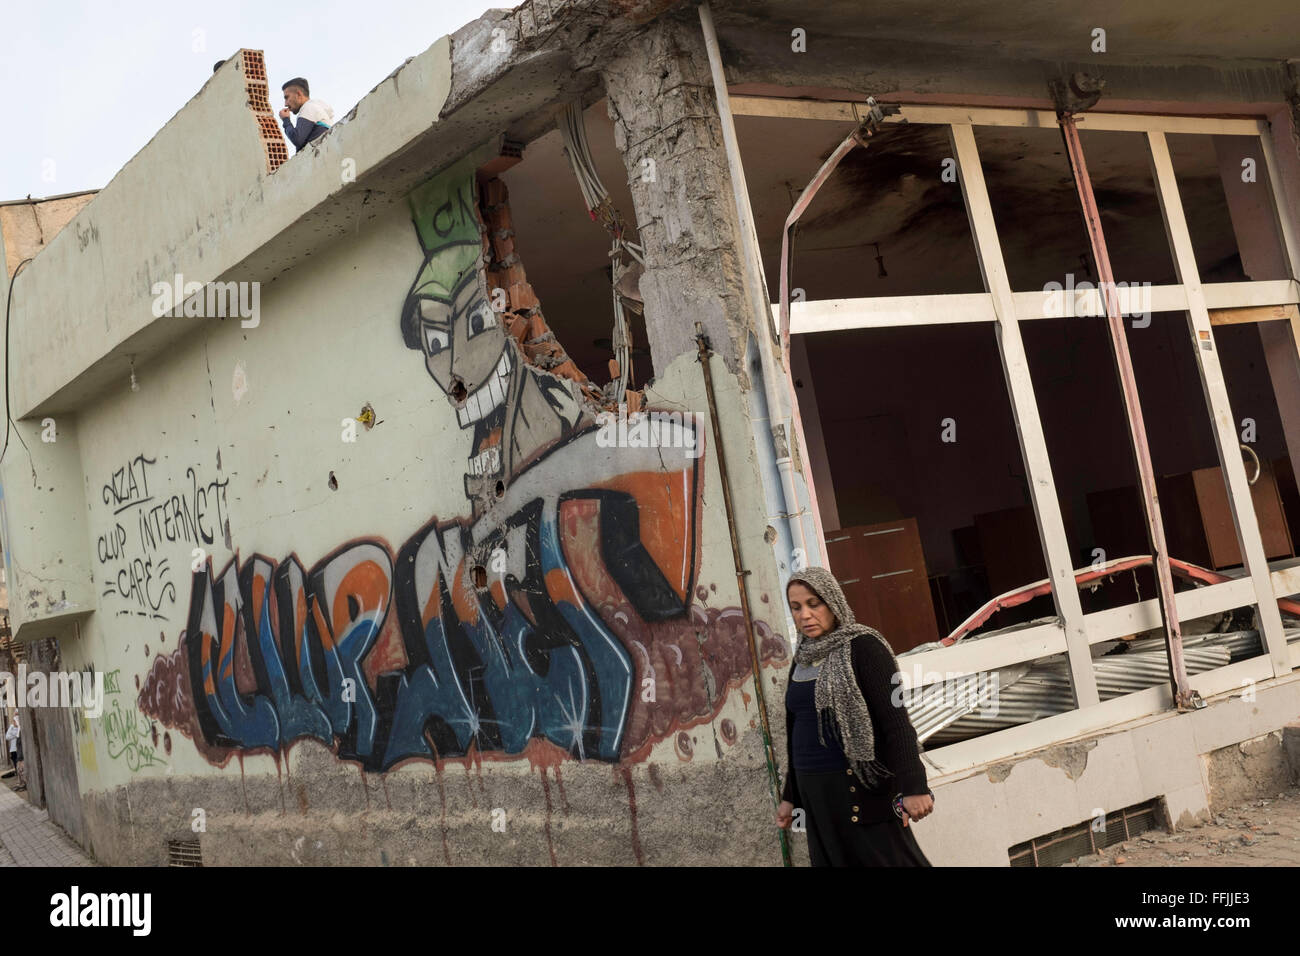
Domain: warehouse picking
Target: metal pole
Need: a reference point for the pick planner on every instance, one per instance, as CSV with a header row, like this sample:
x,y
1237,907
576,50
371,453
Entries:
x,y
1184,696
756,664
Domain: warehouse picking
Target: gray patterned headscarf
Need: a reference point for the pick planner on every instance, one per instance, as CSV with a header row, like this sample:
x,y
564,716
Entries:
x,y
838,699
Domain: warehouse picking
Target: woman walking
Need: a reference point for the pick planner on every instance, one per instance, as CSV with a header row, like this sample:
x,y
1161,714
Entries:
x,y
854,762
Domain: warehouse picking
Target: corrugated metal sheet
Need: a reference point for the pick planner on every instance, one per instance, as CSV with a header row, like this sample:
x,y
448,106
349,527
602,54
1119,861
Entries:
x,y
976,704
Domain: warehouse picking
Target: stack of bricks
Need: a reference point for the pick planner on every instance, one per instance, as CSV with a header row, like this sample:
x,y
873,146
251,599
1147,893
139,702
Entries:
x,y
523,318
259,101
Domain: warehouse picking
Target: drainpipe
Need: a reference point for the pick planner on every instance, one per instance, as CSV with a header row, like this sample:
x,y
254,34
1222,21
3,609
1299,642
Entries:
x,y
783,422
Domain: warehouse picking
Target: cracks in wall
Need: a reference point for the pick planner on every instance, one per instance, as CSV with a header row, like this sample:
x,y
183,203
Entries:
x,y
1071,758
33,596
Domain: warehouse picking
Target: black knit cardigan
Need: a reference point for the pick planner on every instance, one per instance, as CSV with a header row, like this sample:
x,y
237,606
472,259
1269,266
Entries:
x,y
896,743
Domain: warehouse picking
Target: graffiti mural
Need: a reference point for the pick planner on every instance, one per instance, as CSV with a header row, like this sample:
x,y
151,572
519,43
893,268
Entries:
x,y
564,608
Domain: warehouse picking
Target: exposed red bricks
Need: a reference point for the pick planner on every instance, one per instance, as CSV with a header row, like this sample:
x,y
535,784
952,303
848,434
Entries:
x,y
253,67
523,319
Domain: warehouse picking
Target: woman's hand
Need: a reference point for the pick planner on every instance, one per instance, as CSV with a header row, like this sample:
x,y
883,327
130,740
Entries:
x,y
917,807
784,814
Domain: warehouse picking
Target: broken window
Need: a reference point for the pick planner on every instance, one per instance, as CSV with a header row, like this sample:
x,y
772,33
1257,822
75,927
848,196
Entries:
x,y
1035,207
549,229
1228,201
1119,168
1258,359
928,514
868,372
1190,481
1086,430
890,221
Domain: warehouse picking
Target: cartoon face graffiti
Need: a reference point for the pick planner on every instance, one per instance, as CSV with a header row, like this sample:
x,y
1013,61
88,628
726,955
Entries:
x,y
515,410
464,346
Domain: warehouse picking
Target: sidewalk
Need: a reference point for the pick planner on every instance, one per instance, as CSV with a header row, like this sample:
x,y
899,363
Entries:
x,y
1257,833
28,838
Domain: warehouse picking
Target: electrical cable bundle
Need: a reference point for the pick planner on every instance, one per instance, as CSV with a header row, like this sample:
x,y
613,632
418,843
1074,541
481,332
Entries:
x,y
601,209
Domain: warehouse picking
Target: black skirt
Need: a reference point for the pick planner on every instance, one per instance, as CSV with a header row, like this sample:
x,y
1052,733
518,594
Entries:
x,y
833,840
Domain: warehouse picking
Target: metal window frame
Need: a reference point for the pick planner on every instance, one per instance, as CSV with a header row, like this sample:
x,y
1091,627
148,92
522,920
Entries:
x,y
1004,309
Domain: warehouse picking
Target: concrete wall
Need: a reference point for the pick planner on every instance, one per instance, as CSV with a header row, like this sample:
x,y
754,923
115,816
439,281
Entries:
x,y
234,449
28,226
282,600
1180,758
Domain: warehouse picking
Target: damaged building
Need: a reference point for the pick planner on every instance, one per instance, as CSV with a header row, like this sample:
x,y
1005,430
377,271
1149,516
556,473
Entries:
x,y
428,497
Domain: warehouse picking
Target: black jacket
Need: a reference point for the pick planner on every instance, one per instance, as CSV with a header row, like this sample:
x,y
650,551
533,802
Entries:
x,y
896,743
302,131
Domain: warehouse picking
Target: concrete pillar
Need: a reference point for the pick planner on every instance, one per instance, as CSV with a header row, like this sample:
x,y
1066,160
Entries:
x,y
666,126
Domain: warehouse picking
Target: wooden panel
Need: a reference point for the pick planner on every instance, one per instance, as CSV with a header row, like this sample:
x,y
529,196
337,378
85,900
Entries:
x,y
882,570
1289,494
1185,530
1216,517
1258,313
1271,515
1199,521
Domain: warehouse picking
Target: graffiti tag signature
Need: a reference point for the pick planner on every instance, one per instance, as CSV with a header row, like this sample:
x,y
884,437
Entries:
x,y
128,736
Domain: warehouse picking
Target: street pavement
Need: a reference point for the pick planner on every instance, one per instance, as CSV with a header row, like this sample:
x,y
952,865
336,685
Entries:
x,y
29,838
1262,832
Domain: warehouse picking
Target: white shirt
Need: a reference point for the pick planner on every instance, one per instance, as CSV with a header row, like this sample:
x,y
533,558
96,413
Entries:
x,y
317,112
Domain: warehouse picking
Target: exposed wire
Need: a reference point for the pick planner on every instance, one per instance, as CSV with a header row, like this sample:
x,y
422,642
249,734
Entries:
x,y
9,298
601,209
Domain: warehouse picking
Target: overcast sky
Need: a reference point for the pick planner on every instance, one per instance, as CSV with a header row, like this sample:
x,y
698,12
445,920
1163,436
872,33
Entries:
x,y
86,85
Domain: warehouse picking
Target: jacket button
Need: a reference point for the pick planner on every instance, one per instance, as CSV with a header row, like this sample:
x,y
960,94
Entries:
x,y
853,789
855,819
849,772
855,809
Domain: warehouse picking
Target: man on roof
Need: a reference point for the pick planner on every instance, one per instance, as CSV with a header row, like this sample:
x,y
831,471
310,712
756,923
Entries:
x,y
314,116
